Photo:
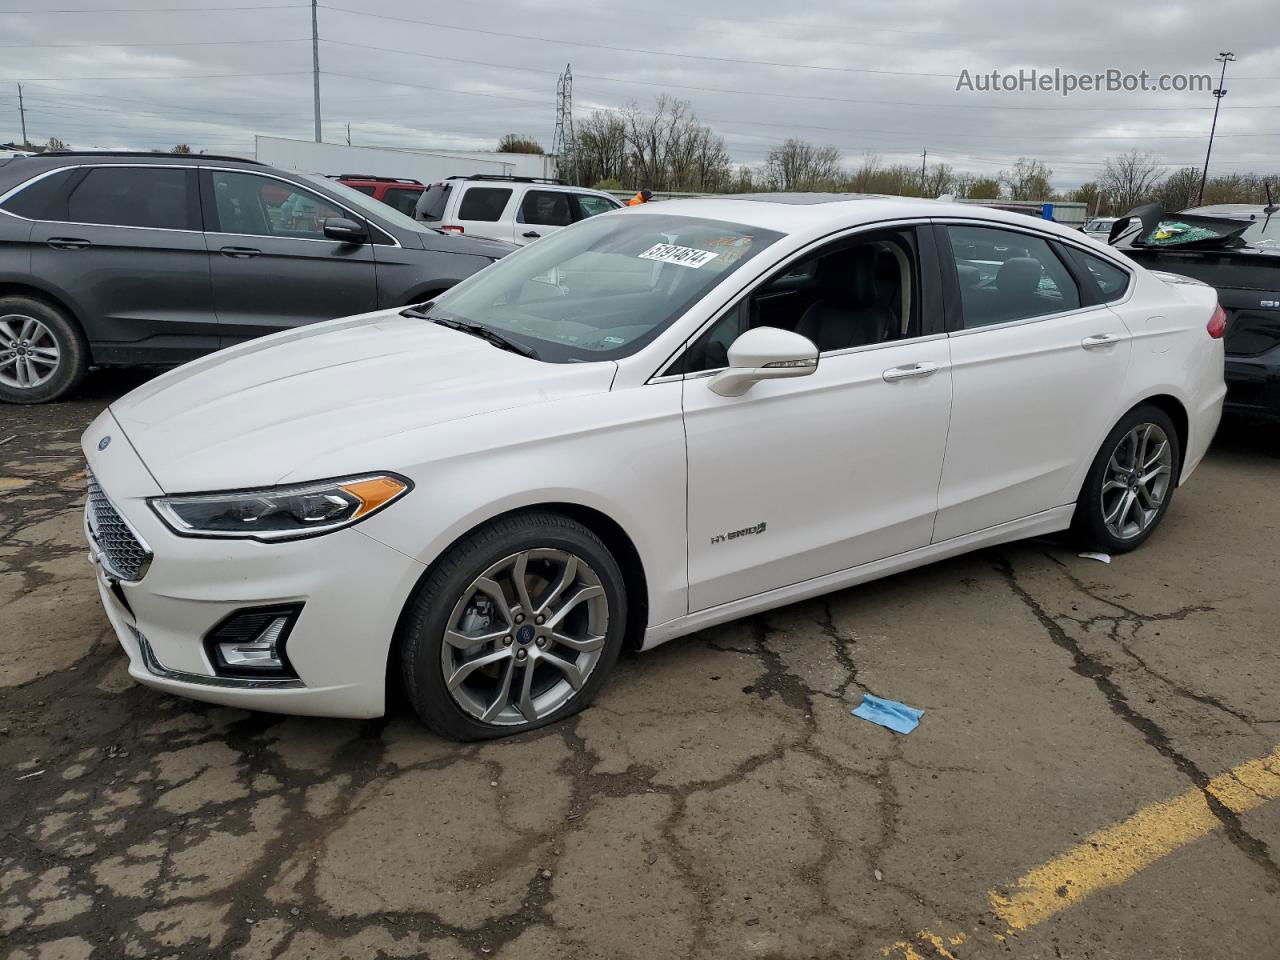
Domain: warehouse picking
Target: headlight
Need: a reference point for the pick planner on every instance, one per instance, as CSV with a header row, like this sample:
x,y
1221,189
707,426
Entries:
x,y
281,513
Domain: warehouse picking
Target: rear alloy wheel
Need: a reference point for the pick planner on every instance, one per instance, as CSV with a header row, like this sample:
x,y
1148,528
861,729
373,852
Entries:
x,y
42,353
516,627
1131,482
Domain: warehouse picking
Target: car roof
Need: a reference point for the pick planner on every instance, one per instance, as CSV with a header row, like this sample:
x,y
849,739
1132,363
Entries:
x,y
820,213
62,158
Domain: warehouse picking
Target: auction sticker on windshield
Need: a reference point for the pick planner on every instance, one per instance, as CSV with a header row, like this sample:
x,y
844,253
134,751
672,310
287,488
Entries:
x,y
684,256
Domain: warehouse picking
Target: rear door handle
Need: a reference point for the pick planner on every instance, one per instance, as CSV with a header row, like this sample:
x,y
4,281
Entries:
x,y
1099,340
67,243
531,235
240,253
911,371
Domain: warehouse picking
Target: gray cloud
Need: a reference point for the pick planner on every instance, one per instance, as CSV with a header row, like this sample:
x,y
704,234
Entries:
x,y
861,76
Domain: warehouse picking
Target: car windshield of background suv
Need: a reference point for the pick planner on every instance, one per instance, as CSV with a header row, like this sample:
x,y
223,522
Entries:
x,y
605,287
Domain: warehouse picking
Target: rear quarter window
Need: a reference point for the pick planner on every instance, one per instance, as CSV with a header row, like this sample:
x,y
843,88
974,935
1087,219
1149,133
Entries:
x,y
484,203
1111,281
45,199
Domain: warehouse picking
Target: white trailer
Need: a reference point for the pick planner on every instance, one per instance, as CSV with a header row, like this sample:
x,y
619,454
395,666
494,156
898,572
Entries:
x,y
423,165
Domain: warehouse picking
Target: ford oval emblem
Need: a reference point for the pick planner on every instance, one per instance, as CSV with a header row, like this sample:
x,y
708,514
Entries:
x,y
104,443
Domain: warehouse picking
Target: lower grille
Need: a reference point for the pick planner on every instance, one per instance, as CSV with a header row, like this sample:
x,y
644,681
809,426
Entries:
x,y
123,554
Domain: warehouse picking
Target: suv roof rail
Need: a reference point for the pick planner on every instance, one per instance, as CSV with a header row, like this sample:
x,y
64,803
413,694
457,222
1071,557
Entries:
x,y
510,179
146,153
374,178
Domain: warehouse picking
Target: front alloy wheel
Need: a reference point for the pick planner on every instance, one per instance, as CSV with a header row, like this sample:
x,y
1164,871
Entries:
x,y
515,626
524,637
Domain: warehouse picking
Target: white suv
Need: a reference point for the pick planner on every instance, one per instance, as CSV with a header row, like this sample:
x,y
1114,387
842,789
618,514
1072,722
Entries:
x,y
519,209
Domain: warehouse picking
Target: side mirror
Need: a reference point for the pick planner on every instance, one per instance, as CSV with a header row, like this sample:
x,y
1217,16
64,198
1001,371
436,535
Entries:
x,y
347,231
765,353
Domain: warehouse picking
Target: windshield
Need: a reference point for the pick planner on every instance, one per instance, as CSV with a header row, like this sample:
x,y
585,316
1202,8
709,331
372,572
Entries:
x,y
603,288
367,204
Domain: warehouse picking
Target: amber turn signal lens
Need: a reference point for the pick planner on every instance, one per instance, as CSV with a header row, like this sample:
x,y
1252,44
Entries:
x,y
373,493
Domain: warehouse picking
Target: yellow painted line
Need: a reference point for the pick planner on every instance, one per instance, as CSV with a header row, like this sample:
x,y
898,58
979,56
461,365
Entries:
x,y
1112,855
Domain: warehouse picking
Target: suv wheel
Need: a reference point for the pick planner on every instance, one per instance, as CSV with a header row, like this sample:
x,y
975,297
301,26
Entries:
x,y
43,354
517,626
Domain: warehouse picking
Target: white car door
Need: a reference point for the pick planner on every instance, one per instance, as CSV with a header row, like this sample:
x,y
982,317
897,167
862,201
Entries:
x,y
802,477
541,212
1038,373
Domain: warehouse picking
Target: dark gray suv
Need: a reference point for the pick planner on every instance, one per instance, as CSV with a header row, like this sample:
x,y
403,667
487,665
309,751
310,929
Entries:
x,y
129,258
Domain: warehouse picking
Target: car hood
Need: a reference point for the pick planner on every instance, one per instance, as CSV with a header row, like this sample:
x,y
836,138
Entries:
x,y
328,397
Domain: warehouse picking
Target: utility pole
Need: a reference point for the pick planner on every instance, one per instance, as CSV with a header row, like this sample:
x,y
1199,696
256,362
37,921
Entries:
x,y
22,116
1224,59
348,133
315,64
924,156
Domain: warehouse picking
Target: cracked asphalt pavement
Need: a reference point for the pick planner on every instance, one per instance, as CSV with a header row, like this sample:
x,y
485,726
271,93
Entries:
x,y
1113,728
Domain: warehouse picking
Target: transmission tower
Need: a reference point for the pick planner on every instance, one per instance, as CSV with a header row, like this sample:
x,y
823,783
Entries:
x,y
563,141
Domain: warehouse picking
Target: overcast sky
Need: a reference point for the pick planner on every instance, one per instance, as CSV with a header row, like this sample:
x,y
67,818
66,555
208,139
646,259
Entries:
x,y
460,73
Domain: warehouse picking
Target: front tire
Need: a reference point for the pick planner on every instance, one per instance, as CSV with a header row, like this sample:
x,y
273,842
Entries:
x,y
1131,482
43,354
517,626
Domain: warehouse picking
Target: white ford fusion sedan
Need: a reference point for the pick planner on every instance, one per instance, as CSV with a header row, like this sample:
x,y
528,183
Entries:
x,y
651,422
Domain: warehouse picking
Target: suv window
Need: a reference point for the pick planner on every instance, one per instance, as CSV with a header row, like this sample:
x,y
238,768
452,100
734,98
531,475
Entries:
x,y
431,203
42,200
1110,280
265,207
1005,275
484,203
590,205
854,292
160,197
546,207
402,198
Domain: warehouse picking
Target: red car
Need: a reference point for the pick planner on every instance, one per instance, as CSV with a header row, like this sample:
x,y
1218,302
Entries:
x,y
394,191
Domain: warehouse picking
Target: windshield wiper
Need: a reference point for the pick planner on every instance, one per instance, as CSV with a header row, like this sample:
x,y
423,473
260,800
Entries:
x,y
475,329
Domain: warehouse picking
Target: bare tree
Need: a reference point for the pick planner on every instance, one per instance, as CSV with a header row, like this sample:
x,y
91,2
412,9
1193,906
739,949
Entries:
x,y
1090,196
1180,189
601,149
181,148
800,165
939,179
983,188
1130,179
1028,179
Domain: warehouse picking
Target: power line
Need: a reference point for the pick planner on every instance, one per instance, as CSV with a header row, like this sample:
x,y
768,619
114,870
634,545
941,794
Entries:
x,y
275,6
177,76
168,43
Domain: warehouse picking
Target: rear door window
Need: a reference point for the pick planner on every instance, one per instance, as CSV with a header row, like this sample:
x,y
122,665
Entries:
x,y
159,197
1005,275
548,208
484,204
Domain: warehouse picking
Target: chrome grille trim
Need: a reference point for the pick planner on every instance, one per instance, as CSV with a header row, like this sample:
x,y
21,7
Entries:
x,y
122,551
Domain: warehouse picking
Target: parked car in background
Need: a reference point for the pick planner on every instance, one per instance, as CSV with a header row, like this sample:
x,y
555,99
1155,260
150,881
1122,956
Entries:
x,y
135,258
1234,248
1098,227
519,209
650,423
394,191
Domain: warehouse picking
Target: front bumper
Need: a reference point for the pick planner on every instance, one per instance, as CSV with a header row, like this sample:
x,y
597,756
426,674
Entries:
x,y
351,588
1253,384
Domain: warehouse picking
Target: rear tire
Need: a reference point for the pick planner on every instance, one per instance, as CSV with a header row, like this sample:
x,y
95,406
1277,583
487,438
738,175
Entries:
x,y
544,649
43,353
1131,482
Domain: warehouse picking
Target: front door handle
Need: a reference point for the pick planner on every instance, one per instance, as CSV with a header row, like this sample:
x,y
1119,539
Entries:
x,y
67,243
911,371
1099,340
240,253
531,235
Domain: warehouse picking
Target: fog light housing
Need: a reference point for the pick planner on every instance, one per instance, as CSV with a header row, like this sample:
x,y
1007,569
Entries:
x,y
251,643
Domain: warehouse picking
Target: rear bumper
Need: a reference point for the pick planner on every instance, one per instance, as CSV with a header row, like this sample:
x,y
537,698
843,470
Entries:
x,y
1253,384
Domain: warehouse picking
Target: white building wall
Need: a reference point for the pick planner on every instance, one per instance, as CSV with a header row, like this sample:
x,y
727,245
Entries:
x,y
424,165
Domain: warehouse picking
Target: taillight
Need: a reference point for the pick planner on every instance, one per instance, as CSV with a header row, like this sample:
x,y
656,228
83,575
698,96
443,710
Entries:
x,y
1217,325
452,228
